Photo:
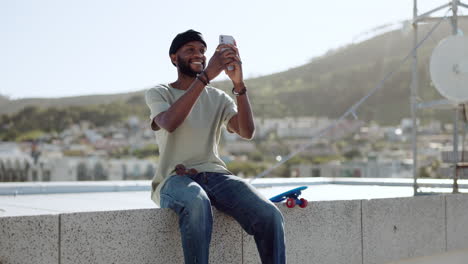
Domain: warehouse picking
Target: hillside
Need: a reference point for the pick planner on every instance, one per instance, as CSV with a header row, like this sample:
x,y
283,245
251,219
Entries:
x,y
330,84
326,86
13,106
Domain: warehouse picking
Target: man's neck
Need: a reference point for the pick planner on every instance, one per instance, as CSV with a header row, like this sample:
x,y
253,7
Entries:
x,y
183,82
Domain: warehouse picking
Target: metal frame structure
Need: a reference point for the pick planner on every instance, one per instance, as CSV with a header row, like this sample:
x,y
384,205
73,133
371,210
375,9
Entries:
x,y
415,105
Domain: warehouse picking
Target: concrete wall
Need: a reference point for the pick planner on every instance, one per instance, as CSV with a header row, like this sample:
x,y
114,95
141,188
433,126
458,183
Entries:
x,y
451,257
30,239
402,230
139,236
323,232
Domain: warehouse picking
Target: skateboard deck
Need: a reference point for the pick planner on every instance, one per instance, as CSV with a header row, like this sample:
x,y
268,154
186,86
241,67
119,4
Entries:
x,y
291,197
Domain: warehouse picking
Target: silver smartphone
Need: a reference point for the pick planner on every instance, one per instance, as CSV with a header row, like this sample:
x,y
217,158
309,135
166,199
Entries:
x,y
226,39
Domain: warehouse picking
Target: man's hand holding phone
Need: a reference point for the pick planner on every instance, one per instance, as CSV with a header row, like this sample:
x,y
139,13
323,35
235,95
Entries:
x,y
226,57
226,39
234,68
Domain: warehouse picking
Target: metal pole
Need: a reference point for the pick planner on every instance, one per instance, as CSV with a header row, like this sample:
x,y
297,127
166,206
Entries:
x,y
455,121
426,15
455,151
462,4
454,17
413,100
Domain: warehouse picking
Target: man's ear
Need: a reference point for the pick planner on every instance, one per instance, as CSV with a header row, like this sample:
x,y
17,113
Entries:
x,y
173,59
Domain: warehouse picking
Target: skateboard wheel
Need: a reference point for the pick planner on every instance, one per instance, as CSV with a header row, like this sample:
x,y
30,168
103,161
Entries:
x,y
290,202
304,203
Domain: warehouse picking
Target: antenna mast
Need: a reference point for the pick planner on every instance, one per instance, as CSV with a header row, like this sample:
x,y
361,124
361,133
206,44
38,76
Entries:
x,y
415,105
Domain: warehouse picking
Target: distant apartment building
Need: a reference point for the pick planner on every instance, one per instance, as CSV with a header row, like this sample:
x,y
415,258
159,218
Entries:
x,y
19,166
447,168
16,165
240,147
305,127
370,169
98,169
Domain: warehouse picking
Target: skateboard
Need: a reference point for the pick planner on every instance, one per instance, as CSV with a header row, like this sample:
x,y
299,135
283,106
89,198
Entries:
x,y
291,197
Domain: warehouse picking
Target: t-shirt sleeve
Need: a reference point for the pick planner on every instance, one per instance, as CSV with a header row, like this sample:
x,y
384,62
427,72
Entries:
x,y
230,109
155,102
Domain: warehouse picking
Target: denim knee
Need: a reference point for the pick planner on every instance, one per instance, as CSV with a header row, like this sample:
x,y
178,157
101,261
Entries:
x,y
196,223
198,210
267,218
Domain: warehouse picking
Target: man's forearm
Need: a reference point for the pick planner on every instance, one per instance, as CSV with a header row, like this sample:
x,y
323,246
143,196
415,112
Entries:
x,y
173,117
245,116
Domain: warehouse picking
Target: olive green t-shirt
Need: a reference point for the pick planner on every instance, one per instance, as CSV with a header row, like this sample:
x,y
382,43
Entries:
x,y
195,142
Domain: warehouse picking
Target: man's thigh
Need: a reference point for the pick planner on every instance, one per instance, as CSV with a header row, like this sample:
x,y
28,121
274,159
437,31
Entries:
x,y
230,192
180,192
239,199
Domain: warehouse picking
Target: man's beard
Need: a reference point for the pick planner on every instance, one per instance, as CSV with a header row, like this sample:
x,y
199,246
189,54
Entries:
x,y
184,67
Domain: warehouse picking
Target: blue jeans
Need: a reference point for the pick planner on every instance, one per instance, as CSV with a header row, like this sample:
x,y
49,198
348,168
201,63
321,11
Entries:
x,y
191,198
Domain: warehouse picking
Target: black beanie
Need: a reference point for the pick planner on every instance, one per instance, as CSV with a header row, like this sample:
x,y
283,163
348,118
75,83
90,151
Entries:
x,y
184,37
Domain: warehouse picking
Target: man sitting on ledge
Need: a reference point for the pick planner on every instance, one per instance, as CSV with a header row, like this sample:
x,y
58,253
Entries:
x,y
187,116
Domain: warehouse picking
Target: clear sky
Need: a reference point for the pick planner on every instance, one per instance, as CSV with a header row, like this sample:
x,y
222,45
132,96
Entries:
x,y
56,48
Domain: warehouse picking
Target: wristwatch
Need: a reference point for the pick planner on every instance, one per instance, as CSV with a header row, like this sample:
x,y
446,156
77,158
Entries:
x,y
242,92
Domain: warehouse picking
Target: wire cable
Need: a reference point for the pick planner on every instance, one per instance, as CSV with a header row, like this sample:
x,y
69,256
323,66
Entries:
x,y
353,108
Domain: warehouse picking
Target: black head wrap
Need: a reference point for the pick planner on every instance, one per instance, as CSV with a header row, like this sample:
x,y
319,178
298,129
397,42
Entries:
x,y
185,37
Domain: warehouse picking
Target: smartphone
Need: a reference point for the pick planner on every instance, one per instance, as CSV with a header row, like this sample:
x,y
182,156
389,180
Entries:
x,y
226,39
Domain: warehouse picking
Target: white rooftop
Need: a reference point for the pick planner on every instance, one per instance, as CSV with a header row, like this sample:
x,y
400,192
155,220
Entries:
x,y
18,199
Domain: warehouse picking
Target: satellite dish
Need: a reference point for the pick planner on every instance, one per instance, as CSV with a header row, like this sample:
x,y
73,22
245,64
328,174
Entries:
x,y
449,68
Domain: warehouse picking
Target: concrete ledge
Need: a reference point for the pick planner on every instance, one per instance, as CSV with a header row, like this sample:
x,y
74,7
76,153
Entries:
x,y
403,228
357,231
29,239
139,236
323,232
457,221
451,257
